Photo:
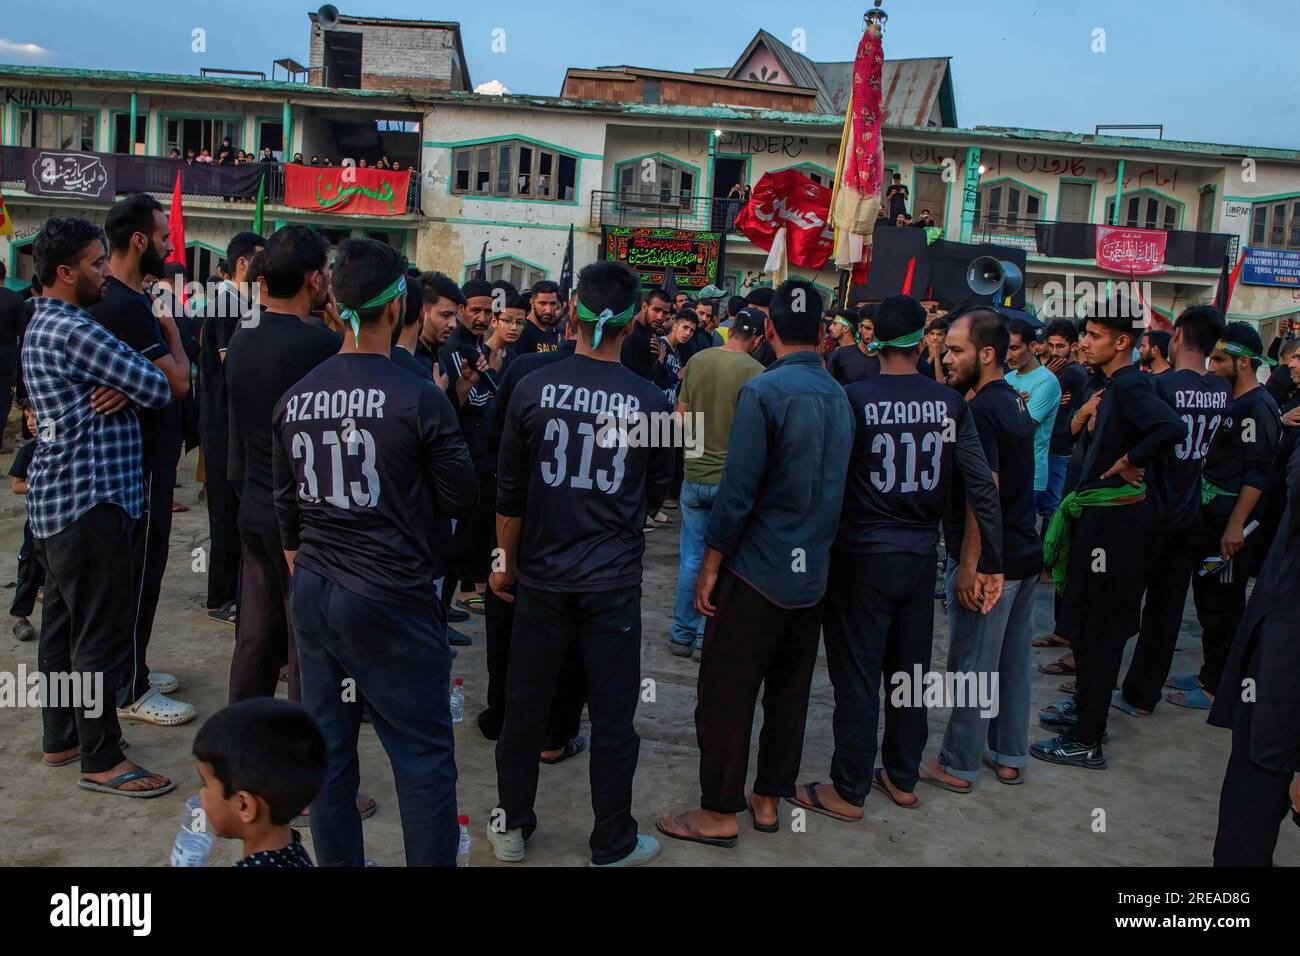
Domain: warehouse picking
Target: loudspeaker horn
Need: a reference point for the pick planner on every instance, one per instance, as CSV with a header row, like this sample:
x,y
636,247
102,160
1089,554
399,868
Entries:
x,y
328,16
984,275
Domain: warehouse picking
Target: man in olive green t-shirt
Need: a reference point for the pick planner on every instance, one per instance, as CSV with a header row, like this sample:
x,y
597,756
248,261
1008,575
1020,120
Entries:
x,y
708,393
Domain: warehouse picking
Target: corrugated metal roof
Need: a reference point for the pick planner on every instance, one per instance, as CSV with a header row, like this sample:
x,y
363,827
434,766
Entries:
x,y
911,89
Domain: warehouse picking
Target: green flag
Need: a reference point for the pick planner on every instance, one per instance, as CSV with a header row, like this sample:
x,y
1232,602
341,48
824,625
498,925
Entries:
x,y
261,198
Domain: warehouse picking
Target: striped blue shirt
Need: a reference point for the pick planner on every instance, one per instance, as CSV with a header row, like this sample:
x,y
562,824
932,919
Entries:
x,y
83,458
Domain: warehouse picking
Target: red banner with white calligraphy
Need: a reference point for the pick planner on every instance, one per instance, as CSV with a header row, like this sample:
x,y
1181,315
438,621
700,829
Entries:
x,y
788,198
1131,251
346,189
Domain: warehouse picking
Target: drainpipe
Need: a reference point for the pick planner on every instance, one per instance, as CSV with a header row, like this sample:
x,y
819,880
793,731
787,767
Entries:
x,y
130,136
286,122
1119,192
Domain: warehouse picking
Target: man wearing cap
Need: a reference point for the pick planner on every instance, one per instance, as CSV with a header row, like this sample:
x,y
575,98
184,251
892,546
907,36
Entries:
x,y
1233,482
367,455
708,396
761,299
763,575
913,436
573,484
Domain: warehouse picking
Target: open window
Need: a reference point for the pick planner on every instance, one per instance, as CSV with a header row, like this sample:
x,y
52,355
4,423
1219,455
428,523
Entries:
x,y
1145,209
655,181
514,169
58,129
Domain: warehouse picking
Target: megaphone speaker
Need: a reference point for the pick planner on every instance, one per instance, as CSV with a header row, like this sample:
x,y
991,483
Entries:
x,y
1013,280
984,275
328,16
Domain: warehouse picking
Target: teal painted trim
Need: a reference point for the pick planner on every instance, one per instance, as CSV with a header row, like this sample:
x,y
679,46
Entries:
x,y
1119,192
947,191
535,202
258,120
1172,200
577,174
97,111
130,131
830,173
1262,199
970,177
664,156
11,270
434,144
1092,196
1260,318
196,244
984,184
713,167
512,225
286,149
546,273
112,129
165,115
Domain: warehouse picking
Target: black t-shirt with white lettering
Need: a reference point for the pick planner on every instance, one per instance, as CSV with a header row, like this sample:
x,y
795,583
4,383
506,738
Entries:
x,y
533,339
1243,450
911,435
1006,434
368,457
583,505
1131,421
1173,478
129,315
848,364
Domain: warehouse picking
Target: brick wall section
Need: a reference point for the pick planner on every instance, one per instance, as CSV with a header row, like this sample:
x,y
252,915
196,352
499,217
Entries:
x,y
399,58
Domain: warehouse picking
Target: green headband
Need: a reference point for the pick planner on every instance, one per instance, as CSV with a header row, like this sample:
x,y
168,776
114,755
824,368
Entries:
x,y
849,325
1241,351
902,342
607,317
353,315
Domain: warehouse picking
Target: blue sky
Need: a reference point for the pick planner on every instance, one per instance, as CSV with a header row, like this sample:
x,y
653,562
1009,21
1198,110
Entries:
x,y
1233,79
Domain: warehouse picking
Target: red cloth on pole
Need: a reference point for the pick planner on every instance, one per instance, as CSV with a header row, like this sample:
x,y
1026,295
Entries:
x,y
789,198
176,226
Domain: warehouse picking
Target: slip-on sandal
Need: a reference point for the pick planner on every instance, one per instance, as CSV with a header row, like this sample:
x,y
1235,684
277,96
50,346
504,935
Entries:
x,y
1191,699
761,827
114,785
575,746
1015,781
924,777
156,708
878,783
814,803
693,835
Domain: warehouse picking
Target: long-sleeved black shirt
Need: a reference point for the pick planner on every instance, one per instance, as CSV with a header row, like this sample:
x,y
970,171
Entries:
x,y
368,457
583,505
453,356
1132,420
911,435
1244,448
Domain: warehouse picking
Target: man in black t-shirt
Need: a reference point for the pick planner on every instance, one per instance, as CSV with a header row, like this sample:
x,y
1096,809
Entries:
x,y
269,353
441,308
643,350
30,575
139,242
367,455
912,436
572,495
543,331
1200,399
1058,340
853,363
990,726
761,299
233,302
11,311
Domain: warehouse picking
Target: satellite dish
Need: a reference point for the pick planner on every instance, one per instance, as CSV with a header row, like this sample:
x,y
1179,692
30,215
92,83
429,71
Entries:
x,y
328,16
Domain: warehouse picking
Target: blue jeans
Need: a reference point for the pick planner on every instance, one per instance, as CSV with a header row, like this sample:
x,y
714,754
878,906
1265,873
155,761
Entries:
x,y
695,504
983,645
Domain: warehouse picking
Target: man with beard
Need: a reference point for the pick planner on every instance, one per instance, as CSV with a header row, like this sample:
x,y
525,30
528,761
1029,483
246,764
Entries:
x,y
1153,352
1095,545
996,642
441,306
139,242
1236,475
543,332
265,358
643,350
856,361
85,496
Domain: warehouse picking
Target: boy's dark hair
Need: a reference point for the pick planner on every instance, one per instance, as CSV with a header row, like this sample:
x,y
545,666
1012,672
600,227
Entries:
x,y
895,317
1201,326
658,292
290,255
476,287
242,245
60,243
435,286
1065,328
509,287
1158,338
268,747
414,299
987,330
255,266
129,216
1243,333
515,300
363,269
763,297
1120,314
936,325
796,312
545,287
609,285
734,304
1022,330
686,312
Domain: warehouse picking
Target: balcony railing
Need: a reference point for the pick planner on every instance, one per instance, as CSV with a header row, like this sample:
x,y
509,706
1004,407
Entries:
x,y
698,213
1184,248
157,175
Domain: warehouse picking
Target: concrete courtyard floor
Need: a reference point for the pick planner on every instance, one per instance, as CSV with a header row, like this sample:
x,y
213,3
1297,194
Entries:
x,y
1159,797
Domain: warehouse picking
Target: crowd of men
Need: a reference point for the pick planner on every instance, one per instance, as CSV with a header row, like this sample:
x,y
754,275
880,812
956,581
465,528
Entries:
x,y
387,450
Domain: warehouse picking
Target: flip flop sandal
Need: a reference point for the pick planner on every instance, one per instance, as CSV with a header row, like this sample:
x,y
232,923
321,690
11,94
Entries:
x,y
693,835
164,683
814,804
878,783
1015,781
1057,668
155,708
761,827
1119,703
571,749
224,614
1187,683
1067,687
178,507
114,785
1049,642
943,784
1191,699
472,604
367,811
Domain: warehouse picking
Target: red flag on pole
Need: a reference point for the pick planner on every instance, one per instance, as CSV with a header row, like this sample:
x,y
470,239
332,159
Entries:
x,y
176,226
1227,283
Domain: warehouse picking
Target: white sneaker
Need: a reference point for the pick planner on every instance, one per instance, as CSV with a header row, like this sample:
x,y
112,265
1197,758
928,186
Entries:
x,y
508,847
157,708
164,683
646,849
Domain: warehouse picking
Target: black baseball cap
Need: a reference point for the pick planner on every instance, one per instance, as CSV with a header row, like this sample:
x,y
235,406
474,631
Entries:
x,y
750,320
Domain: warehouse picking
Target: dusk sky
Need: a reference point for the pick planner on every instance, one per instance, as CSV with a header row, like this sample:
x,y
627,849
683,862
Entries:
x,y
1233,79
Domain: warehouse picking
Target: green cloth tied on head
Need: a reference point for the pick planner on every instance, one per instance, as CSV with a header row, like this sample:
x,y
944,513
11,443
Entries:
x,y
1237,350
902,342
1056,545
606,317
352,313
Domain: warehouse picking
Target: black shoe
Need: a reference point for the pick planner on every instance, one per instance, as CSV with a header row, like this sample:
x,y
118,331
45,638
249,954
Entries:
x,y
1068,749
455,615
488,724
458,639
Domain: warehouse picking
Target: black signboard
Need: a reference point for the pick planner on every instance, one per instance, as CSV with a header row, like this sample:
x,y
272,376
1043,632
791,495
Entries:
x,y
50,172
696,257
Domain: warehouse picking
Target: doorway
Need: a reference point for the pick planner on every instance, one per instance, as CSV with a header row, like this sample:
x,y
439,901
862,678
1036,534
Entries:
x,y
727,172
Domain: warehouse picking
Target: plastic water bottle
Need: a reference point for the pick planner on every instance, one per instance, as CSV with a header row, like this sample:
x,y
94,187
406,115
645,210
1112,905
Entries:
x,y
462,850
457,701
193,842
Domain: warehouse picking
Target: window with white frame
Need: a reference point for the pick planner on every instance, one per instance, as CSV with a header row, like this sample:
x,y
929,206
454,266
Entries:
x,y
58,129
515,271
1006,206
653,180
514,169
1144,209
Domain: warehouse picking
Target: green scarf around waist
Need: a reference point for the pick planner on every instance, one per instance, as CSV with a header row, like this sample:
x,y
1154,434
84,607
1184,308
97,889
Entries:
x,y
1210,491
1056,546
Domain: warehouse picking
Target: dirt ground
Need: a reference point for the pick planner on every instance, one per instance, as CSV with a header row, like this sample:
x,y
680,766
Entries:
x,y
1159,797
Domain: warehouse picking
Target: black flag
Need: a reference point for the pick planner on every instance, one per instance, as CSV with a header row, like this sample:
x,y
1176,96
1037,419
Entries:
x,y
482,263
670,283
566,270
